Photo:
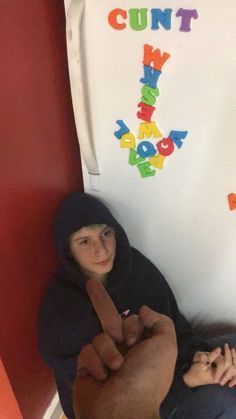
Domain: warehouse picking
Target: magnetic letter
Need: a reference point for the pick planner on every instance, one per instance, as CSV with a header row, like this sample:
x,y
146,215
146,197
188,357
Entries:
x,y
138,19
165,146
127,140
146,149
151,76
148,130
157,161
187,15
123,129
162,16
232,201
134,158
149,95
155,57
112,19
145,170
146,112
177,137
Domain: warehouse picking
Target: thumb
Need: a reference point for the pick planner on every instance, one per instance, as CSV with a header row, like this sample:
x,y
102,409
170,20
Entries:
x,y
158,323
213,355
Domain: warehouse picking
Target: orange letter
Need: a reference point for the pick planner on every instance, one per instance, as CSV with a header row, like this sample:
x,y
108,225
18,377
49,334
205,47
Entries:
x,y
112,18
155,57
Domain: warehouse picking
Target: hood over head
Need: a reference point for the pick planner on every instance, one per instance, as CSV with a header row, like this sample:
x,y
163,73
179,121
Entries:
x,y
81,210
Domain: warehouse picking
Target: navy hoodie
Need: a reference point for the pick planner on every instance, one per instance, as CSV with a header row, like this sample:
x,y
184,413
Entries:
x,y
67,320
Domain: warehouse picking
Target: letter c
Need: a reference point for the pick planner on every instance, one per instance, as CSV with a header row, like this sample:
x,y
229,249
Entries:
x,y
165,146
112,18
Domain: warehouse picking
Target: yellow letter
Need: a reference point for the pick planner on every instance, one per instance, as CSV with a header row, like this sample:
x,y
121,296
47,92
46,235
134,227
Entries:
x,y
127,140
147,130
157,161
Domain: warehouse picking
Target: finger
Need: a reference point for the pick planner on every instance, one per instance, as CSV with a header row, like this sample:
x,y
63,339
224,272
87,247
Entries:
x,y
201,357
213,355
158,323
105,309
107,351
204,359
221,368
233,354
223,364
133,329
89,363
196,357
227,376
227,355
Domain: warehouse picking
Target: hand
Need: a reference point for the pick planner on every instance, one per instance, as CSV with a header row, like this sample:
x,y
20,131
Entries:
x,y
202,370
225,365
107,348
131,384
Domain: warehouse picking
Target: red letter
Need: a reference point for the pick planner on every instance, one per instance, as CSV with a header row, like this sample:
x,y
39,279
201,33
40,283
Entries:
x,y
146,112
112,18
165,146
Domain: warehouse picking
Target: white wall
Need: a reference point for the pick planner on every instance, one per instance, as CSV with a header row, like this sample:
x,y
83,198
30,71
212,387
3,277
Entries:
x,y
179,218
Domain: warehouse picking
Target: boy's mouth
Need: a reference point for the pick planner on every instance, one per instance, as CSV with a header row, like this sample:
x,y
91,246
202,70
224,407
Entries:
x,y
103,262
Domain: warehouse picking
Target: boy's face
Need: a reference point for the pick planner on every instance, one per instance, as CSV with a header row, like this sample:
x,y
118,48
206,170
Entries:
x,y
94,249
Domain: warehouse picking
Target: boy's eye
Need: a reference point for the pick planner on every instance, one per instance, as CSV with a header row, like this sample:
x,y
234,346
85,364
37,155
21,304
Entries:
x,y
108,232
83,243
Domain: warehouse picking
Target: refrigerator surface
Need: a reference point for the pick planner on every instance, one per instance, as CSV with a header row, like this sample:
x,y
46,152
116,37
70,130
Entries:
x,y
177,57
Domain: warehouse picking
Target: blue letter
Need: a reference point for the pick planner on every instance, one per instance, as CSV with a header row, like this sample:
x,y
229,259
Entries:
x,y
178,136
123,129
146,149
151,76
164,17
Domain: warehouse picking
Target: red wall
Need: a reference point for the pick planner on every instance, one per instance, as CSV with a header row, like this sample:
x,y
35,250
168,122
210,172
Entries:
x,y
39,163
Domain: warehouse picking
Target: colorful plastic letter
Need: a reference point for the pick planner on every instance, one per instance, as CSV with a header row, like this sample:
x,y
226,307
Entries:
x,y
138,19
123,129
145,170
146,112
165,147
112,19
148,130
161,16
149,95
127,140
155,57
177,137
157,161
134,158
232,201
146,149
151,76
186,15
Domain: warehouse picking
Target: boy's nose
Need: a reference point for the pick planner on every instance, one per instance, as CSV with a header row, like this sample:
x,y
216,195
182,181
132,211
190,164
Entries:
x,y
99,247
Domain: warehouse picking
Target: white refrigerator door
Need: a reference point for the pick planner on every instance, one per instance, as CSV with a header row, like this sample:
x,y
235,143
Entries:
x,y
175,207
